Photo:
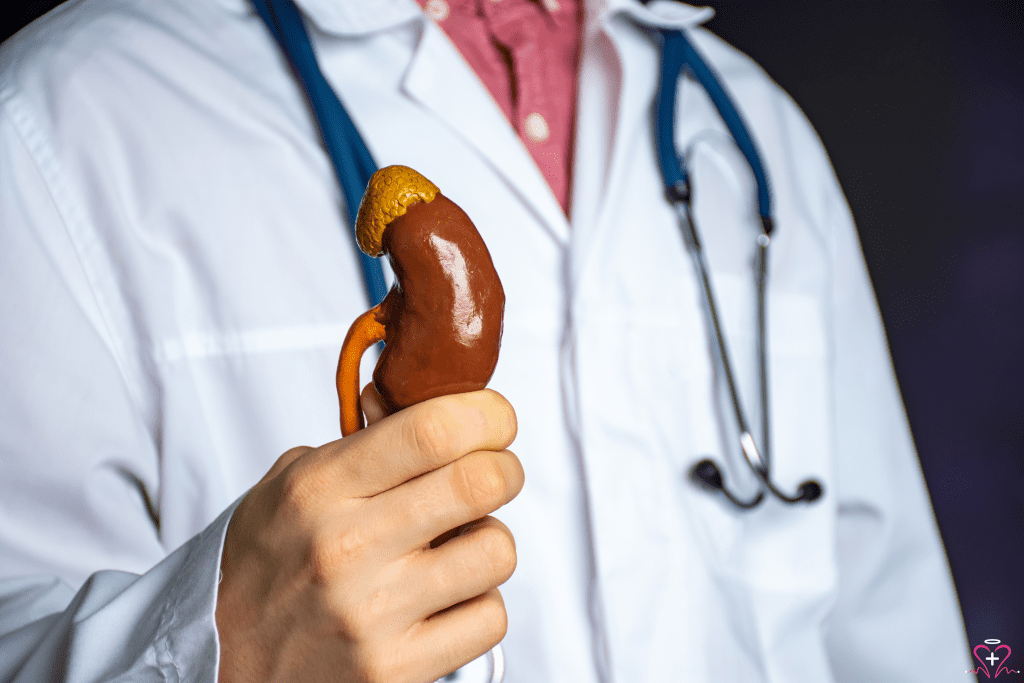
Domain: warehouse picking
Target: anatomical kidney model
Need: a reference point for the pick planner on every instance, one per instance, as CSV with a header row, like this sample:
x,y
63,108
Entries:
x,y
441,322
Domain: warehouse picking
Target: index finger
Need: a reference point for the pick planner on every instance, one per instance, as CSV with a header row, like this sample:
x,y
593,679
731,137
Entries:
x,y
418,440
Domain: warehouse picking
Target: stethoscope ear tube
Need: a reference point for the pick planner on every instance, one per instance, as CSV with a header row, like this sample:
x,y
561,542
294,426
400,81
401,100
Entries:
x,y
351,159
677,54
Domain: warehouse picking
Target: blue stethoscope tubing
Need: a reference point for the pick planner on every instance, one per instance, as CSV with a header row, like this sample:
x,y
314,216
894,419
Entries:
x,y
353,165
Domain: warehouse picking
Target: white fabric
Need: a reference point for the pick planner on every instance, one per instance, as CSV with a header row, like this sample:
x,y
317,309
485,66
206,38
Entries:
x,y
176,280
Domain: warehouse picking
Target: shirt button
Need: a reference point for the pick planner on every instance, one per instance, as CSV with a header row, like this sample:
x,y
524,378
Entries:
x,y
551,5
536,127
436,10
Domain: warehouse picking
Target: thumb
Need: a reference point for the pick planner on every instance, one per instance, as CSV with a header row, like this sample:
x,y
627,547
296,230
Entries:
x,y
371,404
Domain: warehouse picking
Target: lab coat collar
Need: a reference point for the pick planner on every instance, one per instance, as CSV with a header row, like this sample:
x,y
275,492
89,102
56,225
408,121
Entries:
x,y
442,83
661,14
343,18
367,16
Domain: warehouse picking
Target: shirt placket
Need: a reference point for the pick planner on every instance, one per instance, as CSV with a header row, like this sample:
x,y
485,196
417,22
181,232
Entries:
x,y
529,33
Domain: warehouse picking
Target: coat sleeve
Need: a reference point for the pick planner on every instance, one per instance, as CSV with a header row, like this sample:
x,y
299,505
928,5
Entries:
x,y
896,617
79,469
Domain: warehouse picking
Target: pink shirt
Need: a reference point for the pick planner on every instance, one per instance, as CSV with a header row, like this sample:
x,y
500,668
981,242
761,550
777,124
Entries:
x,y
526,54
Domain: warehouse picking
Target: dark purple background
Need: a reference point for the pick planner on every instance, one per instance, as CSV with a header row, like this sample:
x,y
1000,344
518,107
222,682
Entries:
x,y
921,105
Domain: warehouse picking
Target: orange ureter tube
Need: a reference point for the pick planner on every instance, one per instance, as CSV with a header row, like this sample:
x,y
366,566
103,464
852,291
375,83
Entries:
x,y
366,331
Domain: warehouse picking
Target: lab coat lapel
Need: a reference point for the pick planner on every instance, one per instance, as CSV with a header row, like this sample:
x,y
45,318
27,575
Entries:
x,y
618,82
440,80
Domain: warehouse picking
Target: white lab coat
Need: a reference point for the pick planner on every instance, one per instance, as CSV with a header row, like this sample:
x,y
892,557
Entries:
x,y
176,279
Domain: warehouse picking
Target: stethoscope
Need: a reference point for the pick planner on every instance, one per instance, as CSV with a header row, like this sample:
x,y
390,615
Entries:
x,y
678,54
353,166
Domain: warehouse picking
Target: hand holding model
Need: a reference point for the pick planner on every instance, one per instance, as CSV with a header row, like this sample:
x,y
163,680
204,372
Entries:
x,y
373,558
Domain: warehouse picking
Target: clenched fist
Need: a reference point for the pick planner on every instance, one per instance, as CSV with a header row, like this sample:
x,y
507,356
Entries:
x,y
372,558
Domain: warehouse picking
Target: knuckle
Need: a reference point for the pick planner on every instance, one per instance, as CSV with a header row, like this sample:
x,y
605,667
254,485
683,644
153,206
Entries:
x,y
293,454
293,493
508,421
430,434
349,545
327,553
286,459
474,417
511,421
376,608
500,550
416,509
479,482
320,563
494,617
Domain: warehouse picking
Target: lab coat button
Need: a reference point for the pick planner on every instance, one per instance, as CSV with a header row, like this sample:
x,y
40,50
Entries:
x,y
436,10
536,127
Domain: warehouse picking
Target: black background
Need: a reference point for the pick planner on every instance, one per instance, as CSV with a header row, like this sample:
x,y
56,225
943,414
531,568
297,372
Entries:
x,y
921,106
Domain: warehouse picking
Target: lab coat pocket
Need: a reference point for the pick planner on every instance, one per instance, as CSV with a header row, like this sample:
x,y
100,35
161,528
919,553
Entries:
x,y
775,546
774,565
